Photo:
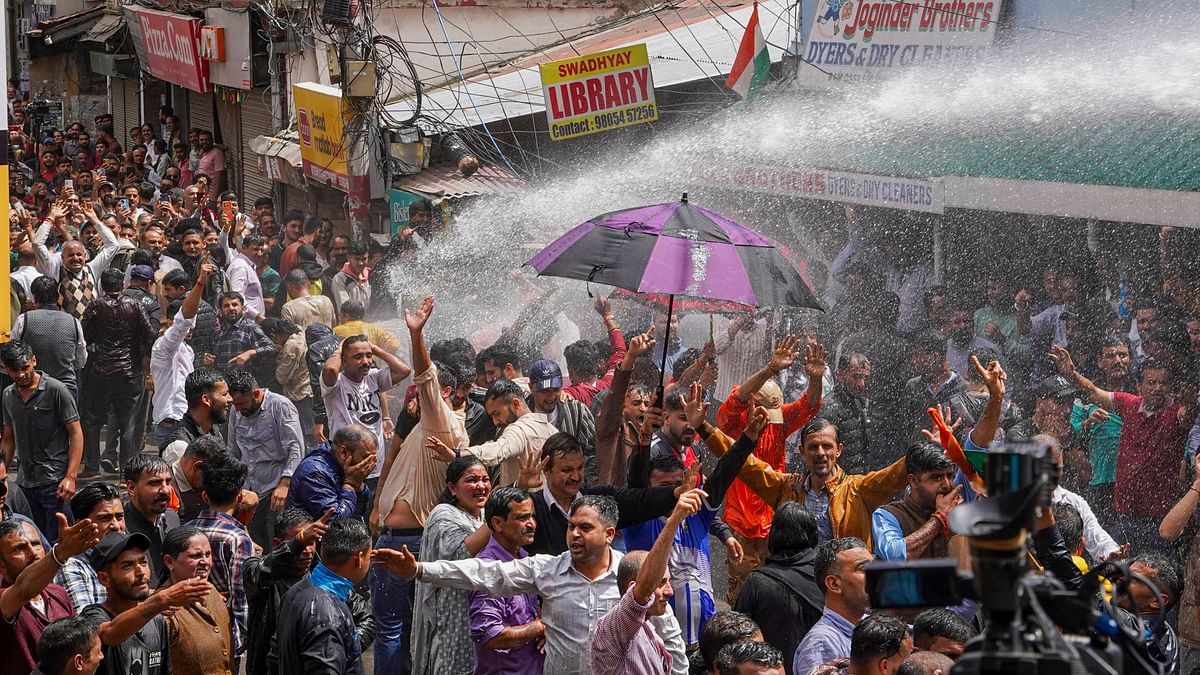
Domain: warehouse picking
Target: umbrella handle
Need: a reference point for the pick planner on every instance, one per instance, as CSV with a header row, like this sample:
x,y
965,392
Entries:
x,y
662,371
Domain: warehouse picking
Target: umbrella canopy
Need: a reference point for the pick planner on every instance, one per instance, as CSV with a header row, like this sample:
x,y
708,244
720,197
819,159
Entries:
x,y
660,302
677,249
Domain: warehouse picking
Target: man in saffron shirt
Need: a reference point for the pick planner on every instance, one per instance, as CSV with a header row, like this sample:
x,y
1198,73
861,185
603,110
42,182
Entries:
x,y
745,513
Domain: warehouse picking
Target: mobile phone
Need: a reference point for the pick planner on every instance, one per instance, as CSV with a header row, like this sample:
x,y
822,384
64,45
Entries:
x,y
100,171
914,583
124,202
68,183
227,210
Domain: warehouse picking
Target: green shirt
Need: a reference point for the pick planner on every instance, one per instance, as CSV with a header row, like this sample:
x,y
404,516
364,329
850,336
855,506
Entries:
x,y
1101,442
1013,342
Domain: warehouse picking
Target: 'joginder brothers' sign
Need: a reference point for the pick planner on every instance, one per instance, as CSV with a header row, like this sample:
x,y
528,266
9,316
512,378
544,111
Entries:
x,y
598,92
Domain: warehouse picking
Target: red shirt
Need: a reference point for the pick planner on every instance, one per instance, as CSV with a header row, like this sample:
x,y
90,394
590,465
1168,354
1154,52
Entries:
x,y
1149,453
19,637
745,512
585,392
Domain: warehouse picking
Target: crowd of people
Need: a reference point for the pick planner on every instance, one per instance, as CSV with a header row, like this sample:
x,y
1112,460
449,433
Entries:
x,y
286,485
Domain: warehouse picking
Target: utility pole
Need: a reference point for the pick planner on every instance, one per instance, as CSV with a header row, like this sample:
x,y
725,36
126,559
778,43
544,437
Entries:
x,y
5,267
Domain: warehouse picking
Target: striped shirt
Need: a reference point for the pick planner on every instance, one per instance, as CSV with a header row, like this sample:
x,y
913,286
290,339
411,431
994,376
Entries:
x,y
231,547
625,642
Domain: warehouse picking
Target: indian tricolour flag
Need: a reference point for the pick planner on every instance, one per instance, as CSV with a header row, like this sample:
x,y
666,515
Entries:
x,y
752,64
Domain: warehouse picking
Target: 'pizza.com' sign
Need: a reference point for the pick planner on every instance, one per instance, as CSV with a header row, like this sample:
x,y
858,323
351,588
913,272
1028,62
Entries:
x,y
598,92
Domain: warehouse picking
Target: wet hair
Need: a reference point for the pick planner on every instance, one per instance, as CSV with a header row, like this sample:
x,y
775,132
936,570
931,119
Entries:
x,y
847,357
176,540
223,477
274,325
793,529
500,355
230,295
90,495
313,225
292,215
446,375
604,506
297,278
930,341
1070,524
418,206
112,280
240,381
176,279
352,435
1151,364
924,456
560,444
628,568
352,310
505,391
454,473
11,526
204,448
731,657
289,518
925,663
15,354
200,382
818,424
500,502
343,540
64,639
667,463
142,463
44,291
452,349
356,247
1165,574
581,359
723,629
351,341
877,636
673,402
639,388
826,561
941,622
684,361
1110,341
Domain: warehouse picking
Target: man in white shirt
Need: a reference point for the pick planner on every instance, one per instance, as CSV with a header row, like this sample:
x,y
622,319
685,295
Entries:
x,y
353,389
241,270
577,587
171,359
27,269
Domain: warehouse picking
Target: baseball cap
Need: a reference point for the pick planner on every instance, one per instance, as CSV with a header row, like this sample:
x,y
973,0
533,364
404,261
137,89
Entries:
x,y
141,272
114,544
545,374
1055,386
770,396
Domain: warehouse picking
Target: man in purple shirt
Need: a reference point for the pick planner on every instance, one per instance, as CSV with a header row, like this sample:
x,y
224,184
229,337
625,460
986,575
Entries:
x,y
507,631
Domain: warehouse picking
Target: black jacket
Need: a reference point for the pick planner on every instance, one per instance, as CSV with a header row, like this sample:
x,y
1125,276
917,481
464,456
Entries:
x,y
267,579
314,634
784,599
149,302
118,333
322,343
203,333
857,426
635,504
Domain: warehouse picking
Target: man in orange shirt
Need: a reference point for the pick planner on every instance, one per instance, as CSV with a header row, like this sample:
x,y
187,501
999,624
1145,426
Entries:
x,y
745,512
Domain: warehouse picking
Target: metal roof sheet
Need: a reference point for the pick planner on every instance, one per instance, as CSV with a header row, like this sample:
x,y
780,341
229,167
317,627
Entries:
x,y
444,180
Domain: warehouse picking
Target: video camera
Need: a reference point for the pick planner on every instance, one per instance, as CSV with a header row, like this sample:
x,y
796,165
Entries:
x,y
1035,624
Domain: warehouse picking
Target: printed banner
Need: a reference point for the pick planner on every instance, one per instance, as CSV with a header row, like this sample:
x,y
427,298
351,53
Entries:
x,y
598,92
855,40
171,47
321,119
913,194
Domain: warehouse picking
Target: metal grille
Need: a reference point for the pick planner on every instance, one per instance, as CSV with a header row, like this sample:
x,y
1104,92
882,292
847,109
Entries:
x,y
256,121
126,106
229,121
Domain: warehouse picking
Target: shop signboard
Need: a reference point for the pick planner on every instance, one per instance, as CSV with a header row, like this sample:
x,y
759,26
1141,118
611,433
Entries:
x,y
853,41
321,117
599,92
913,194
170,47
398,202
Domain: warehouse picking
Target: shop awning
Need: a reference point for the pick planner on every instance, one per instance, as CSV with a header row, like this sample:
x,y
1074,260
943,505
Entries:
x,y
444,181
285,148
687,40
61,29
108,27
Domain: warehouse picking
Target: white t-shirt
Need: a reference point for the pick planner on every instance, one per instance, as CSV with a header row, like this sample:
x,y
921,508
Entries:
x,y
348,402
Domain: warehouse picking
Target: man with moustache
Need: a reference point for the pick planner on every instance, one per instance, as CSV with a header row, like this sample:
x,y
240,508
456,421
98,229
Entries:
x,y
148,482
100,503
506,630
918,526
132,628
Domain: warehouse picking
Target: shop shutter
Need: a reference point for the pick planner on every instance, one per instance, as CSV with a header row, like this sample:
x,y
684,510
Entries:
x,y
256,121
229,121
200,112
126,106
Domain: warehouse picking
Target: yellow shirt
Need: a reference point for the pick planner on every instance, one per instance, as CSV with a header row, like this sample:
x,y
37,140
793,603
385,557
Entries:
x,y
375,335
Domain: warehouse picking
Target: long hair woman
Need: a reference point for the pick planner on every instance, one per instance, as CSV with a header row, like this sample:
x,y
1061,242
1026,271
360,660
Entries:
x,y
441,636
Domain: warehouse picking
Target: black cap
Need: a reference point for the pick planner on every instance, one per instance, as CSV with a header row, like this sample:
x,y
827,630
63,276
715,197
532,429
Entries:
x,y
1055,386
114,544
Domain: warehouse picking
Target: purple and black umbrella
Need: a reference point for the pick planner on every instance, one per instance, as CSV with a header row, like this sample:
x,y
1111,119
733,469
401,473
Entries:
x,y
677,249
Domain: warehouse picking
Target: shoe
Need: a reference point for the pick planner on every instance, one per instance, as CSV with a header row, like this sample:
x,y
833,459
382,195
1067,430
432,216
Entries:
x,y
107,466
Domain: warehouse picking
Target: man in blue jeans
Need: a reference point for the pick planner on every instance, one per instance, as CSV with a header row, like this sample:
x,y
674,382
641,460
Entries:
x,y
41,422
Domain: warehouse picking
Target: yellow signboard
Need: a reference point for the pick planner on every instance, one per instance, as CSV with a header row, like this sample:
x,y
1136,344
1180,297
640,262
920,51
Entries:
x,y
598,92
321,116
